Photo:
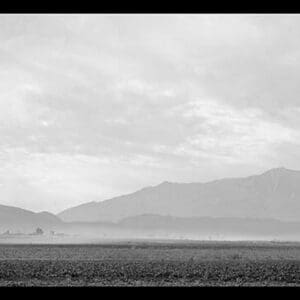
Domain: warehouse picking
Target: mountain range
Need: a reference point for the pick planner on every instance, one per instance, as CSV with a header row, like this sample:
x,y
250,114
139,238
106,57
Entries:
x,y
274,194
265,206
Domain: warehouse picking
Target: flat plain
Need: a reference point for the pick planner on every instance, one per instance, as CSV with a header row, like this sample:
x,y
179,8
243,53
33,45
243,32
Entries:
x,y
151,263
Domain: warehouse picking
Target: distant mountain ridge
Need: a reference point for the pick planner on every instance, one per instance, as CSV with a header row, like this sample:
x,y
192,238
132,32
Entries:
x,y
275,194
18,219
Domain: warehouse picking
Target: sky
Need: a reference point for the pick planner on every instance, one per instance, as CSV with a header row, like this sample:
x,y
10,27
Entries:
x,y
95,106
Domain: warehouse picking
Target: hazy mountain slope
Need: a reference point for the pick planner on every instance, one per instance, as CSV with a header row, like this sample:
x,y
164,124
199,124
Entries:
x,y
273,194
17,219
213,226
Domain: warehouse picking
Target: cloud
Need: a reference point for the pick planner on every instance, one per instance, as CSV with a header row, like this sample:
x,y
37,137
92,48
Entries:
x,y
109,104
225,133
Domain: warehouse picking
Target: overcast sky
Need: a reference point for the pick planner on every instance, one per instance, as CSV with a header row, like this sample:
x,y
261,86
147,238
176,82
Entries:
x,y
94,106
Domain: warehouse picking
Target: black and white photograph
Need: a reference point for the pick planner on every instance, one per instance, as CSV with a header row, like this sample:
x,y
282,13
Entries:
x,y
149,150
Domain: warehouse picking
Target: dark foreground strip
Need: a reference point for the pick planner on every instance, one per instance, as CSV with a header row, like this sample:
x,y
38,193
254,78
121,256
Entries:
x,y
150,272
